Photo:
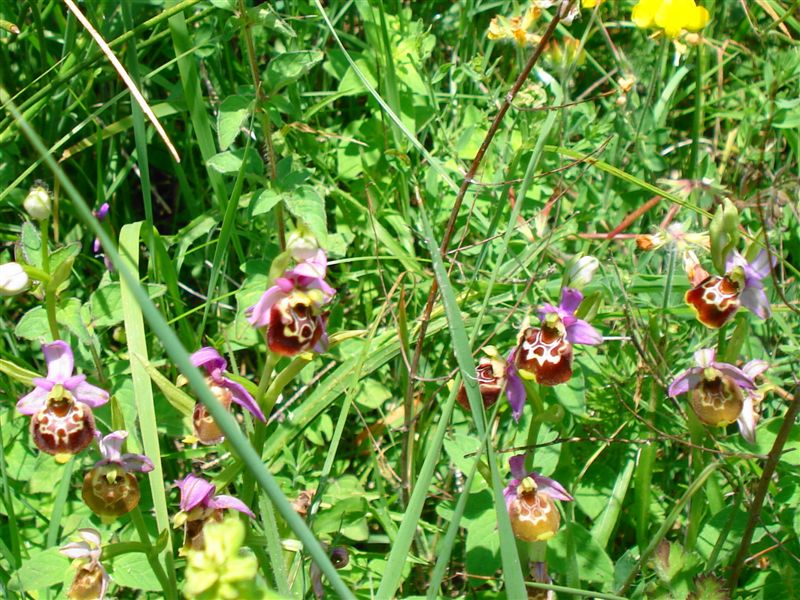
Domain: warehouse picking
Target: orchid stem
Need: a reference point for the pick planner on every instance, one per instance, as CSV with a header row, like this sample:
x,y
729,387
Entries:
x,y
49,293
144,536
534,394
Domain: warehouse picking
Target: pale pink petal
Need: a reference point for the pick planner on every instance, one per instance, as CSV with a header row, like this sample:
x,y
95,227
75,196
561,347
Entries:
x,y
754,298
551,487
580,332
195,491
735,373
60,361
517,465
209,359
754,368
89,394
510,492
243,398
90,536
704,358
734,259
111,445
76,550
224,502
688,380
137,462
760,267
259,312
747,420
32,403
105,580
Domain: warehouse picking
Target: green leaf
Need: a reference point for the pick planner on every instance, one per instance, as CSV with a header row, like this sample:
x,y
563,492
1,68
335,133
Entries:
x,y
106,303
263,201
225,162
290,66
595,565
133,570
43,569
31,244
572,395
232,113
308,206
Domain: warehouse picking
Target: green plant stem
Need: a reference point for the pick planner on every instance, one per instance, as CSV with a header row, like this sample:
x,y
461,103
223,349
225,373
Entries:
x,y
533,391
62,492
695,486
138,521
697,506
49,293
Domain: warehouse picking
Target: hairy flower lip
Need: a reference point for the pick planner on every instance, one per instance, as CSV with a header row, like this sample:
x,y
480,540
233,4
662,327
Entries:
x,y
208,359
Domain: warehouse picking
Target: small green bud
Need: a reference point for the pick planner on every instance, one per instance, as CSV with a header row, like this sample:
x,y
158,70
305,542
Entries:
x,y
724,231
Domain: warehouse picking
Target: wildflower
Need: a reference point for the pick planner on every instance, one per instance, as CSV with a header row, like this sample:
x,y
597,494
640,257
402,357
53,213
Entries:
x,y
516,28
221,569
13,279
38,203
491,374
199,506
224,389
61,404
580,271
717,298
685,243
291,310
91,580
100,214
748,418
718,391
673,16
591,3
529,500
544,353
110,489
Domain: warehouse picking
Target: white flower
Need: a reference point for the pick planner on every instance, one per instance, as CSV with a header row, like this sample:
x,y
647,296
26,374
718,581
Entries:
x,y
38,203
13,279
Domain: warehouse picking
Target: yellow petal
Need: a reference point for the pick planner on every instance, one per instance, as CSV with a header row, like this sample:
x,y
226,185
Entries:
x,y
644,13
698,18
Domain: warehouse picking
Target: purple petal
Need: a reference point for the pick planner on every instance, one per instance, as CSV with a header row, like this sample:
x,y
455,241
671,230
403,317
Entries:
x,y
551,487
89,394
111,445
60,361
137,462
580,332
515,391
756,300
517,465
222,501
102,212
194,492
32,403
688,380
735,373
760,267
510,491
570,300
259,312
734,259
322,343
747,420
243,398
545,309
754,368
209,359
705,357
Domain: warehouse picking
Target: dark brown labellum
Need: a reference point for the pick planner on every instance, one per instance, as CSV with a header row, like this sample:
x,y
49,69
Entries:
x,y
193,529
109,491
714,300
63,426
294,327
547,354
489,383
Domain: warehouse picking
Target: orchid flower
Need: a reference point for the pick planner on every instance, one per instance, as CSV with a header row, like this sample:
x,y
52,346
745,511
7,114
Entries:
x,y
748,418
544,353
199,505
291,310
110,489
224,389
91,580
491,375
717,390
717,298
529,499
61,404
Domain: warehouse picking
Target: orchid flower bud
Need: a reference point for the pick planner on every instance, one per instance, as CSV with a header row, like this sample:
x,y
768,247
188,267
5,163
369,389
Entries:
x,y
38,203
13,279
580,271
724,232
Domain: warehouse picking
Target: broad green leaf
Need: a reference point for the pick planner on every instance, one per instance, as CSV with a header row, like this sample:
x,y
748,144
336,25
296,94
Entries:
x,y
595,565
132,570
43,569
232,113
308,206
289,66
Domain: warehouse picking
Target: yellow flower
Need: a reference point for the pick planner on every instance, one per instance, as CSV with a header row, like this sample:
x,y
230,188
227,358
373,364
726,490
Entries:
x,y
590,3
515,28
673,16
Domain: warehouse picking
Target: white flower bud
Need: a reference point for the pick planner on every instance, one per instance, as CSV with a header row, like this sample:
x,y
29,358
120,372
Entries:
x,y
13,279
302,245
38,204
580,271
